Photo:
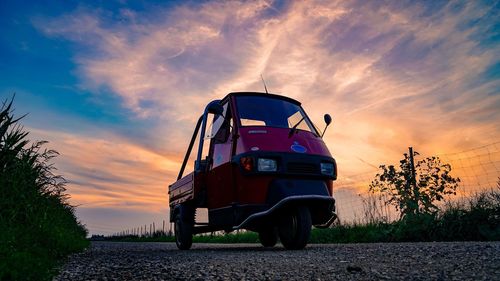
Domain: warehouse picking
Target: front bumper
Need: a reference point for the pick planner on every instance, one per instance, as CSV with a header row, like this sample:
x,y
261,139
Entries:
x,y
253,221
285,193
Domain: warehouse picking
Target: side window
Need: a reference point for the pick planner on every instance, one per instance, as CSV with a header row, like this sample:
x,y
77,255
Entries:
x,y
220,127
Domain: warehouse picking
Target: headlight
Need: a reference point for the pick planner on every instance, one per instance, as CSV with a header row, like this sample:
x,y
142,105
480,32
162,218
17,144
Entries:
x,y
267,165
327,169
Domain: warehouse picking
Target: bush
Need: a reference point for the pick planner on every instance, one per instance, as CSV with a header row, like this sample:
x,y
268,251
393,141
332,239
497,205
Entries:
x,y
38,225
415,189
477,219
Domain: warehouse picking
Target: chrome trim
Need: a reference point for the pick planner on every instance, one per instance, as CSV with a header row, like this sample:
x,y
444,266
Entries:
x,y
257,132
279,204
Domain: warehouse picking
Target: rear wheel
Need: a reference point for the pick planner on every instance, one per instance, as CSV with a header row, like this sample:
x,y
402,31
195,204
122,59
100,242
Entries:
x,y
268,237
183,227
294,228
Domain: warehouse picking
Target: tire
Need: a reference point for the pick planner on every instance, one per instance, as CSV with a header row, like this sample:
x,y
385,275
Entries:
x,y
268,237
183,227
294,228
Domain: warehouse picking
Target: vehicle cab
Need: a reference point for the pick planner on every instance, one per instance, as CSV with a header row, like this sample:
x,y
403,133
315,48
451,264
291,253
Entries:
x,y
261,165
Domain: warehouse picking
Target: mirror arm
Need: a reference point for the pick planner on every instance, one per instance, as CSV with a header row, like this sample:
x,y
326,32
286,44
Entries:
x,y
324,131
328,120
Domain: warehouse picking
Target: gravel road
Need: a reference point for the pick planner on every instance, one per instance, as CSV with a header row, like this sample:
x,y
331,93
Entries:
x,y
398,261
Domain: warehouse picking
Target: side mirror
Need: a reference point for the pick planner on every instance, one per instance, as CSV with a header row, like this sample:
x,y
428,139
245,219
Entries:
x,y
328,121
215,108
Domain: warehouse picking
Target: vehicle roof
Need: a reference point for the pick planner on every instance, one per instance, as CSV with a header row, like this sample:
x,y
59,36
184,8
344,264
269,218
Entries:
x,y
274,96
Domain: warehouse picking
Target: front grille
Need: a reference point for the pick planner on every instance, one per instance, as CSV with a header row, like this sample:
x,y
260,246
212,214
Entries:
x,y
302,168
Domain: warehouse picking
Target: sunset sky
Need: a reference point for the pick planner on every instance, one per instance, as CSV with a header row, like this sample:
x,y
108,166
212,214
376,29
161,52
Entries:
x,y
116,87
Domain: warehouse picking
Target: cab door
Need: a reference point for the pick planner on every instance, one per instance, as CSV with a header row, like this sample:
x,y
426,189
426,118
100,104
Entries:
x,y
220,191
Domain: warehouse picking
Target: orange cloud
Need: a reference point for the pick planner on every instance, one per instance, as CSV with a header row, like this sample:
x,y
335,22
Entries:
x,y
391,77
107,171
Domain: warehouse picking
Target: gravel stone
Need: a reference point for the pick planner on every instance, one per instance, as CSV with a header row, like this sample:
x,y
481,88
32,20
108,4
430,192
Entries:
x,y
381,261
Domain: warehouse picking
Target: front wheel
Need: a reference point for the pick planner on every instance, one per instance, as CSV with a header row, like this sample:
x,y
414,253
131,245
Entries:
x,y
294,228
183,228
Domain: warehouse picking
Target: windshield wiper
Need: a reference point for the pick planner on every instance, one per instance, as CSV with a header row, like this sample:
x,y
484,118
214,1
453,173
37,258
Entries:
x,y
292,130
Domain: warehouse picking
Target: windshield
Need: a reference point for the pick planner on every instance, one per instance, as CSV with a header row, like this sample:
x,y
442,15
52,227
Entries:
x,y
272,112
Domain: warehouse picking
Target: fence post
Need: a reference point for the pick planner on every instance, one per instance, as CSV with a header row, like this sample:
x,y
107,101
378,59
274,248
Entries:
x,y
413,179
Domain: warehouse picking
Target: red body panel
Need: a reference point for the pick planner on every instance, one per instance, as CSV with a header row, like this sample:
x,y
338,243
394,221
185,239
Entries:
x,y
182,190
220,188
277,140
252,189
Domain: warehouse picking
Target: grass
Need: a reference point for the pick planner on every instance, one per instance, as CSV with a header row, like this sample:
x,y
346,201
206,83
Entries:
x,y
477,219
241,237
38,227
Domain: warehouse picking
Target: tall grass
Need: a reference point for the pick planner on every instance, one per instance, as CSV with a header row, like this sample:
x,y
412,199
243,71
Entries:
x,y
477,219
38,227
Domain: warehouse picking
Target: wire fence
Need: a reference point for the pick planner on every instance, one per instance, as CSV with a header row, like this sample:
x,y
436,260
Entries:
x,y
478,170
147,230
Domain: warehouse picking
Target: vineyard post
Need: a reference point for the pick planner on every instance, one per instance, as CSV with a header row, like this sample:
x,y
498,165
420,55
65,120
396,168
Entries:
x,y
413,179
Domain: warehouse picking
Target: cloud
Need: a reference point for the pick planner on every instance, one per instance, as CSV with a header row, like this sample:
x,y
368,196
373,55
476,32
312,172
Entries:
x,y
107,171
392,75
151,64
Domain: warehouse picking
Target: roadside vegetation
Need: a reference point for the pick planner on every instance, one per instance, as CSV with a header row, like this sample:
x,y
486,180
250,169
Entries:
x,y
219,237
477,219
38,225
417,190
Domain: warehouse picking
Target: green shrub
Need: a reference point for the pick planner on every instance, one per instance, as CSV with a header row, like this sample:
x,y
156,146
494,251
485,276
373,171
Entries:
x,y
38,225
478,219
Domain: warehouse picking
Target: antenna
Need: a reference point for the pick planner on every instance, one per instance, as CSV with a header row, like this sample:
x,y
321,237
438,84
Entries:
x,y
264,83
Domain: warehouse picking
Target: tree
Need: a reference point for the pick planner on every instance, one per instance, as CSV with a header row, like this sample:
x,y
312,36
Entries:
x,y
414,189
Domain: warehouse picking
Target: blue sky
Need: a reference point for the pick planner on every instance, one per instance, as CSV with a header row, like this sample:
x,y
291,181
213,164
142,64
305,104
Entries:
x,y
115,86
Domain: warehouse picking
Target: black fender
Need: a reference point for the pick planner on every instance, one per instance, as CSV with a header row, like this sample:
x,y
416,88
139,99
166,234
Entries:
x,y
173,212
280,189
311,193
287,193
186,211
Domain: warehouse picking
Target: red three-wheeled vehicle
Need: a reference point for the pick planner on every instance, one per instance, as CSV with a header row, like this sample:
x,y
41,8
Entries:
x,y
261,165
